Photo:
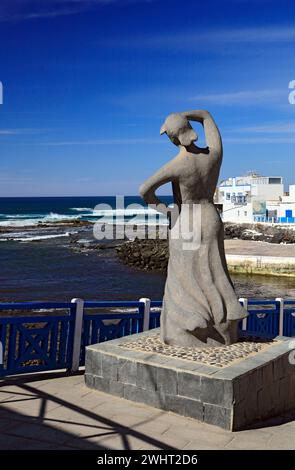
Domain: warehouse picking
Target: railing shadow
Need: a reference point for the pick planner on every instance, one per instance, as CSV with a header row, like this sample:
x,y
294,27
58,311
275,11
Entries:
x,y
50,435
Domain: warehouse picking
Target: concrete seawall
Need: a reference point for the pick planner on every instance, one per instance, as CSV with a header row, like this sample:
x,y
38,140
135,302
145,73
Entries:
x,y
267,265
252,257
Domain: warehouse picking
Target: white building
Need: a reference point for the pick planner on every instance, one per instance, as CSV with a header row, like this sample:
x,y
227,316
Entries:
x,y
253,198
284,210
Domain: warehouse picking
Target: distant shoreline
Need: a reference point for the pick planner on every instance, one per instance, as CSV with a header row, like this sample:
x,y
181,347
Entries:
x,y
67,262
247,252
243,256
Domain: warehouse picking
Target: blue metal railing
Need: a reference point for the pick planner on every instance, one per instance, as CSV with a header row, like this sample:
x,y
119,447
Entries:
x,y
39,342
264,320
38,336
104,326
273,220
289,318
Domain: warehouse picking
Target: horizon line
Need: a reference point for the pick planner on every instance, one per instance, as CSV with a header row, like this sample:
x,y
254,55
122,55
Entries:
x,y
110,195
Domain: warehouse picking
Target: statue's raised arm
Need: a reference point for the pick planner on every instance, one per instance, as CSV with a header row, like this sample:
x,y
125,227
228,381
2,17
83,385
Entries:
x,y
212,134
166,174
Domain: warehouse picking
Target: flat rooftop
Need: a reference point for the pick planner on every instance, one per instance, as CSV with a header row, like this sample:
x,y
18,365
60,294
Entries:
x,y
57,411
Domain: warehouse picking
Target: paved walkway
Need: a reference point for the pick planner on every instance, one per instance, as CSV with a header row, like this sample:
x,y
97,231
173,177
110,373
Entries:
x,y
54,411
249,247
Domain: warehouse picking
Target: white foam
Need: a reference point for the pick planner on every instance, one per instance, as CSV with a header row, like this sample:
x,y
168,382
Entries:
x,y
28,237
115,212
52,216
42,237
13,234
27,221
20,216
81,209
142,216
125,212
20,223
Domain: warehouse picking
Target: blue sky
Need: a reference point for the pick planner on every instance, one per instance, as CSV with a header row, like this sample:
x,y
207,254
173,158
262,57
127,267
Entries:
x,y
88,83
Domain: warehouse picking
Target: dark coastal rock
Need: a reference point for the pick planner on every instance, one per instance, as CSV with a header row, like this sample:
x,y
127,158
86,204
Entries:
x,y
259,232
152,255
82,247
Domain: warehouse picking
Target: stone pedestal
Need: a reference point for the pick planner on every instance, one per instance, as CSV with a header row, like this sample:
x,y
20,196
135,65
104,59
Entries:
x,y
232,397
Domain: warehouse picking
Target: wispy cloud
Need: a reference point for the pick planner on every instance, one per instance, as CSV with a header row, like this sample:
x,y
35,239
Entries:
x,y
21,10
279,132
242,97
271,128
204,39
21,131
103,142
7,132
256,35
259,140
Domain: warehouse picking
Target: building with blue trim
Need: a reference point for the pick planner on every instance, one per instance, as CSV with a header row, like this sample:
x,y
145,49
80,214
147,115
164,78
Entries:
x,y
256,198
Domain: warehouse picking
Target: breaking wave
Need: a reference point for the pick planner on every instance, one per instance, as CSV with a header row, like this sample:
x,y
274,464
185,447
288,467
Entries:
x,y
140,216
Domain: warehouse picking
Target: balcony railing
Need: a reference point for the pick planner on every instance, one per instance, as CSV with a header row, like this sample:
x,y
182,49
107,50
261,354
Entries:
x,y
39,336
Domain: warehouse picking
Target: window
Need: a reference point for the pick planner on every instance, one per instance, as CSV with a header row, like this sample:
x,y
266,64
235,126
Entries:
x,y
274,180
238,213
245,213
227,196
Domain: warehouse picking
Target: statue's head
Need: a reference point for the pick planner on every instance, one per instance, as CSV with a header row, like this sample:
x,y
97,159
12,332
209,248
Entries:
x,y
179,130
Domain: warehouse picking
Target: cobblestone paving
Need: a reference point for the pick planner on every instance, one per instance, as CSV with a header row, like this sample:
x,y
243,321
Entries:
x,y
214,356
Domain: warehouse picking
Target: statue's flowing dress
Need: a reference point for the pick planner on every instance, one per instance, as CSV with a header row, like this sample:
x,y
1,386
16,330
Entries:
x,y
199,295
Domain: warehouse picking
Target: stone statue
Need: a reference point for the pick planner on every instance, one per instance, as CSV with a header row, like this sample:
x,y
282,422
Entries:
x,y
200,307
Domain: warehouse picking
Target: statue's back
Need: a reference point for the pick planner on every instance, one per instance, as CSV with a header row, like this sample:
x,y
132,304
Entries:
x,y
198,177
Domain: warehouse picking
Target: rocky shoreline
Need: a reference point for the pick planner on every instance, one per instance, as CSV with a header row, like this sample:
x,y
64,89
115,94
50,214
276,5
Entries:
x,y
259,232
61,224
149,255
153,255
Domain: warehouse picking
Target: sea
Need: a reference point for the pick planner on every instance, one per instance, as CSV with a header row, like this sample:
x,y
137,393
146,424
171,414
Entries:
x,y
38,262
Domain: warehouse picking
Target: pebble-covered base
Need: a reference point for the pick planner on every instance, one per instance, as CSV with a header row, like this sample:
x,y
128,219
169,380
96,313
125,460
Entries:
x,y
220,356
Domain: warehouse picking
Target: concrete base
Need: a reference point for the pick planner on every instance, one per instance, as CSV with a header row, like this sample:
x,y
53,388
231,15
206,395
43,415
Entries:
x,y
256,388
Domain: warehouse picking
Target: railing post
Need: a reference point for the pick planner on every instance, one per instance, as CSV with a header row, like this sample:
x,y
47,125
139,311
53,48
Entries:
x,y
281,315
77,333
244,302
1,354
146,313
